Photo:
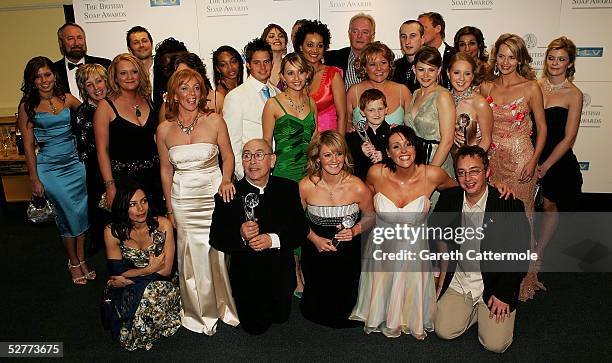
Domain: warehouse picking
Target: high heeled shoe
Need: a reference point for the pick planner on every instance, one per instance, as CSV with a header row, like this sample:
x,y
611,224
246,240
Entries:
x,y
90,275
81,280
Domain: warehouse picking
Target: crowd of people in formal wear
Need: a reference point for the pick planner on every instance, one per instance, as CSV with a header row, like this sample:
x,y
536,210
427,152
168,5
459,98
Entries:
x,y
284,172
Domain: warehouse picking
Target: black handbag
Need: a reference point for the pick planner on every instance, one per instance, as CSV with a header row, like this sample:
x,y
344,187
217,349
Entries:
x,y
538,197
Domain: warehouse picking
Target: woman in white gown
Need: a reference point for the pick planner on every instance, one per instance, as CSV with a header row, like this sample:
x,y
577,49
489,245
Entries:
x,y
400,296
188,145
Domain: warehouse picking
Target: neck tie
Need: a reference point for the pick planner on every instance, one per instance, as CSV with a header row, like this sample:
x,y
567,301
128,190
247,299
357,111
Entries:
x,y
72,66
265,91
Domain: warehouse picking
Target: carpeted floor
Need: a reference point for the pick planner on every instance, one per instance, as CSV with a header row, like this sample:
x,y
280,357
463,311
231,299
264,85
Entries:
x,y
570,322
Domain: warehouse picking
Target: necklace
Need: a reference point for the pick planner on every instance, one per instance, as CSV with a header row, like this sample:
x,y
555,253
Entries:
x,y
330,189
549,87
189,128
50,100
137,111
466,94
298,108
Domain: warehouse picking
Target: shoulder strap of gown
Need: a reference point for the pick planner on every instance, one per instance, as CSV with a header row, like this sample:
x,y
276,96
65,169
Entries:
x,y
112,105
280,104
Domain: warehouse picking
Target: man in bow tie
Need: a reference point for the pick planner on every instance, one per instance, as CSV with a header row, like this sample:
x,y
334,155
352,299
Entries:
x,y
73,46
262,270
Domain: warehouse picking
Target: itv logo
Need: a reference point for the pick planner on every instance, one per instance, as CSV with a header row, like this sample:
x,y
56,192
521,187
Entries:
x,y
590,52
155,3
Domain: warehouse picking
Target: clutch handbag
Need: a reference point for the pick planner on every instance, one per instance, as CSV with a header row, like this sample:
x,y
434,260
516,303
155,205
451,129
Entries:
x,y
538,197
40,210
103,204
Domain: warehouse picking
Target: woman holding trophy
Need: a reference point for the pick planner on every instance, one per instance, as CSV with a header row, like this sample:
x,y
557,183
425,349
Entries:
x,y
334,200
474,116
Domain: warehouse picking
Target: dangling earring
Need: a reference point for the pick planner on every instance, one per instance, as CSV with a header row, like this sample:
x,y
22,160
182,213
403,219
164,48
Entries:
x,y
496,71
518,68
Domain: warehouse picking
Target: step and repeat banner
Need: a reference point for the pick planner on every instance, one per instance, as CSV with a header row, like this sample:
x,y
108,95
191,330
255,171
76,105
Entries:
x,y
204,25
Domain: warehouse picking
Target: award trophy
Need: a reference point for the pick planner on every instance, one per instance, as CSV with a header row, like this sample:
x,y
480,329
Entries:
x,y
251,201
347,222
464,122
361,128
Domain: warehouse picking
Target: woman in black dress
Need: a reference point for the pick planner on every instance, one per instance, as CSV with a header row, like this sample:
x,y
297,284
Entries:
x,y
125,124
91,80
331,259
558,168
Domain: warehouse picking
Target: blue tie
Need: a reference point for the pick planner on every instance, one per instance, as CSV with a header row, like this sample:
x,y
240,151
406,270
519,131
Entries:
x,y
265,91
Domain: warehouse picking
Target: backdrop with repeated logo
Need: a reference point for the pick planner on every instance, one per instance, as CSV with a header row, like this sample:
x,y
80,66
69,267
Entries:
x,y
204,25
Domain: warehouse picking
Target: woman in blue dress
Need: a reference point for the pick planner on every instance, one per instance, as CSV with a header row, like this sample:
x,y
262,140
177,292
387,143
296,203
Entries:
x,y
55,172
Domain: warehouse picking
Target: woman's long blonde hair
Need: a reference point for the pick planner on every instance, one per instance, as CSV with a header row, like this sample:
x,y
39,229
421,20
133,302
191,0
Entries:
x,y
144,85
518,48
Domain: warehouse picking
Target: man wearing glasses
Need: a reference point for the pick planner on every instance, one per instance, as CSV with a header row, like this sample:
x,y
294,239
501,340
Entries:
x,y
485,291
260,238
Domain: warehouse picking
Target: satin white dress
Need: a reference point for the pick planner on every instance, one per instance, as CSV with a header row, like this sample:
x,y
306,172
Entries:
x,y
204,283
397,297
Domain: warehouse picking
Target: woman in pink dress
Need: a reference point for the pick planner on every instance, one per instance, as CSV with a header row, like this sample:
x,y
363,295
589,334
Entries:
x,y
513,94
327,86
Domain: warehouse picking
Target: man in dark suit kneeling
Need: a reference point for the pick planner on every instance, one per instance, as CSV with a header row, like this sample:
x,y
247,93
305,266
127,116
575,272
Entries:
x,y
261,269
480,291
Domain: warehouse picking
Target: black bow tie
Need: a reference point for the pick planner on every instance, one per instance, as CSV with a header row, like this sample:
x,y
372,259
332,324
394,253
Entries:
x,y
72,66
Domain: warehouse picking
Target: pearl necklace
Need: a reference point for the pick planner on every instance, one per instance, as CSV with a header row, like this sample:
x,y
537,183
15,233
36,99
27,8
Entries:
x,y
466,94
549,87
189,128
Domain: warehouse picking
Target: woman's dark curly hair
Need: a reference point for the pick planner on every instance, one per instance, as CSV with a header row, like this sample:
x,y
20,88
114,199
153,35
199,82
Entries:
x,y
409,134
121,225
312,27
217,76
194,62
168,45
31,97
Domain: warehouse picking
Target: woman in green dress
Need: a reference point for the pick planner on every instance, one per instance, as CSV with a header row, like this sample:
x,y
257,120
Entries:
x,y
290,119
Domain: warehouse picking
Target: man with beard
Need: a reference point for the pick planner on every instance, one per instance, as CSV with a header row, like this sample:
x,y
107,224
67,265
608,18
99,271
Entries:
x,y
73,46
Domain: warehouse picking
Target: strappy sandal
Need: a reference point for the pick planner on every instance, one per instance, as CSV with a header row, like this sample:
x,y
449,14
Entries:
x,y
91,275
81,280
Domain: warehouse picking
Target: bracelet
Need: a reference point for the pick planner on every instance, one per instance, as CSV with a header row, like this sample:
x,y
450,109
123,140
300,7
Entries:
x,y
108,183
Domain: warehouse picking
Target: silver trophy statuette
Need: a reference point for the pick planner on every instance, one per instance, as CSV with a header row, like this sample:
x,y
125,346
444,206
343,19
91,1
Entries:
x,y
347,222
464,122
251,201
361,128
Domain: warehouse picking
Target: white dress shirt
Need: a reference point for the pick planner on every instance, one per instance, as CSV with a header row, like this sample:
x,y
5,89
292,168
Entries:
x,y
242,110
442,49
471,282
71,75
